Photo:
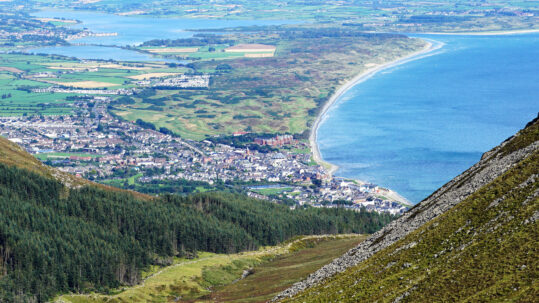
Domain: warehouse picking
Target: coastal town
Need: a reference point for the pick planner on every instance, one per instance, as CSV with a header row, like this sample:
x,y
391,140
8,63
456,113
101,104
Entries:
x,y
92,143
16,29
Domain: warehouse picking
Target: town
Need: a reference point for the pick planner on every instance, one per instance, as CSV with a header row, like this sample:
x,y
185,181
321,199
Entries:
x,y
93,144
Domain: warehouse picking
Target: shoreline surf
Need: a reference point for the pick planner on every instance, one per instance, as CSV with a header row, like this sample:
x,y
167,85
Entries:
x,y
365,75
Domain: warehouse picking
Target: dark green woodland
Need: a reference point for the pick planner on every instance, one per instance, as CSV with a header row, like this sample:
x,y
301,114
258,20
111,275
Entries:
x,y
56,240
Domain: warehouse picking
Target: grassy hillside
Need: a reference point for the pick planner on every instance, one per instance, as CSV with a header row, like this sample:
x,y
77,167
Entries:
x,y
270,278
217,277
484,249
56,239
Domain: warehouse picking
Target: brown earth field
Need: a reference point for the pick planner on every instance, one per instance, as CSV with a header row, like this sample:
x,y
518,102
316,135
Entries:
x,y
152,75
11,69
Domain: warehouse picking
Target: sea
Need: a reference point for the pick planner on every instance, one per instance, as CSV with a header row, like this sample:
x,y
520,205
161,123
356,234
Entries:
x,y
412,127
132,31
415,126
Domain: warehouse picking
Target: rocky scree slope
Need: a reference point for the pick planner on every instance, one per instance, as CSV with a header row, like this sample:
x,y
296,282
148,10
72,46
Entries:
x,y
475,238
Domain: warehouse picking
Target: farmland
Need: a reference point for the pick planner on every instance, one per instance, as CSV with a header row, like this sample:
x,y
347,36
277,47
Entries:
x,y
381,16
265,80
20,73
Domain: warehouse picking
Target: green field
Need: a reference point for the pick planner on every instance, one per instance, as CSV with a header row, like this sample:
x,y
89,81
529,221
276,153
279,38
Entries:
x,y
120,182
395,16
272,191
18,76
275,276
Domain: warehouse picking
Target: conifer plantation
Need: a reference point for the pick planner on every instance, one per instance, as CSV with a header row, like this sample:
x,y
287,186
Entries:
x,y
56,240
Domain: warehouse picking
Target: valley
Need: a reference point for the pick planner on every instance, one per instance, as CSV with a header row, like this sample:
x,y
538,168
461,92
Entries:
x,y
211,277
268,151
230,88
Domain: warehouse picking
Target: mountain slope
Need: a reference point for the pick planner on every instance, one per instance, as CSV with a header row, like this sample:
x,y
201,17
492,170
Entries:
x,y
474,239
13,155
59,233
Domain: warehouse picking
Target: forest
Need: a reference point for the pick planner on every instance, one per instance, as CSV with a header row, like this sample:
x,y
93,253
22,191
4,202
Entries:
x,y
56,240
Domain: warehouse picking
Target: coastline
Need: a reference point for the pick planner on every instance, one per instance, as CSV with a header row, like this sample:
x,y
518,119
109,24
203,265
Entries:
x,y
492,33
317,157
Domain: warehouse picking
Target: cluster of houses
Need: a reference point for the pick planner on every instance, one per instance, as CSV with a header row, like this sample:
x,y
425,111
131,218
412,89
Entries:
x,y
24,29
58,89
275,141
93,144
4,34
181,81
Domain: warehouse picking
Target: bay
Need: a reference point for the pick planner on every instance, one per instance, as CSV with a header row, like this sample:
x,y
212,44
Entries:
x,y
131,30
415,126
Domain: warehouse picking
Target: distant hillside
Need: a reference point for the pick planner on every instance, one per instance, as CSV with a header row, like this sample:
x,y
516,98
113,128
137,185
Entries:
x,y
13,155
476,239
60,233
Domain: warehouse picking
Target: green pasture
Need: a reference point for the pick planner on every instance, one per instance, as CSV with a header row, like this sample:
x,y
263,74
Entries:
x,y
272,191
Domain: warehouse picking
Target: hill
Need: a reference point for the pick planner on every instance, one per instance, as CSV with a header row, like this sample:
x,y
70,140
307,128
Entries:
x,y
13,155
473,240
60,233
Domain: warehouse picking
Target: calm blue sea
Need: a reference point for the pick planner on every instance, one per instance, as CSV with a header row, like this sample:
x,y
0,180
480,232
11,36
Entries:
x,y
133,30
415,126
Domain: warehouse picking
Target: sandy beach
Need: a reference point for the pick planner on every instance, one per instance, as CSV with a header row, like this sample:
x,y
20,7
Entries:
x,y
332,168
357,79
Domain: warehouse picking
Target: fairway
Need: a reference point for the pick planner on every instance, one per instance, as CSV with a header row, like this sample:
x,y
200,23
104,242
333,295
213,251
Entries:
x,y
85,84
